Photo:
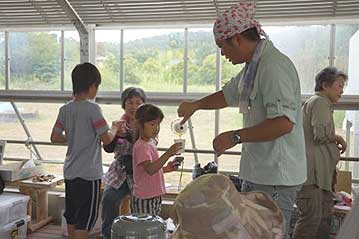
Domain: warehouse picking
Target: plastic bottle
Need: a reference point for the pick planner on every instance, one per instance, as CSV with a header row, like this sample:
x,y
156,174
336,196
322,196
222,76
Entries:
x,y
197,171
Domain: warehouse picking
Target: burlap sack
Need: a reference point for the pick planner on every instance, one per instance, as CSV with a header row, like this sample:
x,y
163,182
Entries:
x,y
210,207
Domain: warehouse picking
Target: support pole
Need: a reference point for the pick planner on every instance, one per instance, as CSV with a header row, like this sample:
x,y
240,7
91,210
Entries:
x,y
29,138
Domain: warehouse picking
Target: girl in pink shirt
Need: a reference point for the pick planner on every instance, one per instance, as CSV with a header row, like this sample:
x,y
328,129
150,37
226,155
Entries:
x,y
148,166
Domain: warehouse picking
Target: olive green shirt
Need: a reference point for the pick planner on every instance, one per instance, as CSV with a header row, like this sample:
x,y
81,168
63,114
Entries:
x,y
321,149
276,92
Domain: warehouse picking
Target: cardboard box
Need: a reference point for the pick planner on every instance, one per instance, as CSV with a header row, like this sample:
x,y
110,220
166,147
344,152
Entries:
x,y
13,171
344,182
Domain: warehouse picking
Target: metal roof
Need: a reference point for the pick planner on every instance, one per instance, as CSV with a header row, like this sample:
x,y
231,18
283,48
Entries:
x,y
44,13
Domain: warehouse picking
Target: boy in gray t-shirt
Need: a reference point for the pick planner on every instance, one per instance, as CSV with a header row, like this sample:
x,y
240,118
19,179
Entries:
x,y
81,125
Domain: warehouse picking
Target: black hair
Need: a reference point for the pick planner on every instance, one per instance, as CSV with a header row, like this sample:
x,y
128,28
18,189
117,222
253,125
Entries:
x,y
130,92
148,112
251,34
328,75
83,76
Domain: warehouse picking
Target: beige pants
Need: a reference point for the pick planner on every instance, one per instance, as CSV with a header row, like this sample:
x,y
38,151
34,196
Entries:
x,y
315,208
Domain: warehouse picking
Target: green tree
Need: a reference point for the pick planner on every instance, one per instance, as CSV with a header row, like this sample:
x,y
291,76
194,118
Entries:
x,y
132,71
34,56
72,58
45,54
110,71
208,70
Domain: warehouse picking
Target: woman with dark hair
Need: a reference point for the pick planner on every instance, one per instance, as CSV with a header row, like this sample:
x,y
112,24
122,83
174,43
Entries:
x,y
118,179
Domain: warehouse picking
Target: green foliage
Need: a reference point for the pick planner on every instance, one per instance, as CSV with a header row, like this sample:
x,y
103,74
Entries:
x,y
158,61
132,67
205,73
44,52
72,58
308,47
34,56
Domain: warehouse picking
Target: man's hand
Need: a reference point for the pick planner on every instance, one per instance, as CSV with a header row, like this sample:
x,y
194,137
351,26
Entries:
x,y
342,145
222,142
185,110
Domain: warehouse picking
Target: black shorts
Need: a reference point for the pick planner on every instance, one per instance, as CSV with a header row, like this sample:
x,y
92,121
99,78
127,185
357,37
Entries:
x,y
82,202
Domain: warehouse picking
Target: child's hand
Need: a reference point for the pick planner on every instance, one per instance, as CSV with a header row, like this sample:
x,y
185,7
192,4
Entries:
x,y
174,149
170,167
121,127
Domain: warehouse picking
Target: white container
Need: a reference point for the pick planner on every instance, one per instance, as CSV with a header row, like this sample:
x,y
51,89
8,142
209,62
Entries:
x,y
15,230
12,207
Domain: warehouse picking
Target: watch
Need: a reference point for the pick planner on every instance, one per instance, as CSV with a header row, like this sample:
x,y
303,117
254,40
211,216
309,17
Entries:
x,y
236,137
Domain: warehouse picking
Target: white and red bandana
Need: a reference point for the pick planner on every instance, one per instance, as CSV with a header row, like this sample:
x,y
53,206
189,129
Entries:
x,y
237,19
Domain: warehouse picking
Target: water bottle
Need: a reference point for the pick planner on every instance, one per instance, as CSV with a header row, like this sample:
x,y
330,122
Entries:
x,y
197,171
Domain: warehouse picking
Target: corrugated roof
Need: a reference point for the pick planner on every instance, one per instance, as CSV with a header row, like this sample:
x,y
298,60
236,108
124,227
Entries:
x,y
27,13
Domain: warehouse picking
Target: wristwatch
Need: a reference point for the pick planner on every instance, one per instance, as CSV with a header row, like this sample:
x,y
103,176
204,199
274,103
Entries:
x,y
236,137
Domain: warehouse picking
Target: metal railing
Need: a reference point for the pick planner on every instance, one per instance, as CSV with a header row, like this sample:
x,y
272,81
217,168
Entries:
x,y
187,170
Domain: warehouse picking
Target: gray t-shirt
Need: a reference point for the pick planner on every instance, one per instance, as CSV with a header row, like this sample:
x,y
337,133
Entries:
x,y
83,124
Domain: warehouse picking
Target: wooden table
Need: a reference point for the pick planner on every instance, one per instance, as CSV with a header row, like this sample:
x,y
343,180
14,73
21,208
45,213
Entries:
x,y
38,203
171,192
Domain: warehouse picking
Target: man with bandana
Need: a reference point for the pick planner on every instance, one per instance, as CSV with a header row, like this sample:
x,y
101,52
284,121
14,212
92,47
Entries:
x,y
267,93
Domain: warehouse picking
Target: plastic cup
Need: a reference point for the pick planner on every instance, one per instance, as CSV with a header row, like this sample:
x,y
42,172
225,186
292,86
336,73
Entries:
x,y
182,141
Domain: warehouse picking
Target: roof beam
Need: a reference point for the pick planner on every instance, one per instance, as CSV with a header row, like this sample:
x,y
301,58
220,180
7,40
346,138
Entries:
x,y
39,10
74,17
87,37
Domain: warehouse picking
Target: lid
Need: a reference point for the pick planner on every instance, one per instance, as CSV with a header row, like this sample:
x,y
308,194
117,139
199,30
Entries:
x,y
139,217
139,225
8,199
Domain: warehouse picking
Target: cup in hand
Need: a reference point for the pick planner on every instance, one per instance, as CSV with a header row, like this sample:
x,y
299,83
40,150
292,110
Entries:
x,y
121,127
182,141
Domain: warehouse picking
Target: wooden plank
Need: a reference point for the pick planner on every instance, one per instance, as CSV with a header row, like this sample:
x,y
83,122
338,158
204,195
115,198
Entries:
x,y
344,182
